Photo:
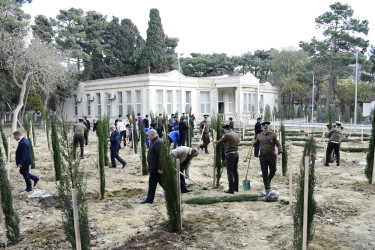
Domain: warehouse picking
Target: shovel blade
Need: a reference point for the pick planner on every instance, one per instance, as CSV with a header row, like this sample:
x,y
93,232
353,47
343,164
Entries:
x,y
246,185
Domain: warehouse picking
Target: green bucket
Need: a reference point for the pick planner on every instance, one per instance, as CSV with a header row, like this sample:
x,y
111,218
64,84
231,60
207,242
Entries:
x,y
246,185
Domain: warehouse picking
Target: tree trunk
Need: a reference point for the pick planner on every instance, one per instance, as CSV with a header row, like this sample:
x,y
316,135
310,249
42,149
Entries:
x,y
45,102
19,106
24,106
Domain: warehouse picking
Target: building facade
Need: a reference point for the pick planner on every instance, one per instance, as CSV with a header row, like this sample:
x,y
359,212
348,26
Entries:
x,y
236,96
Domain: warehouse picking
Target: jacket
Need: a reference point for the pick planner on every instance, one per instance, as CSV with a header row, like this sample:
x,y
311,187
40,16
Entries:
x,y
267,144
175,136
206,126
182,128
182,153
335,134
154,155
24,156
79,129
258,128
231,141
115,140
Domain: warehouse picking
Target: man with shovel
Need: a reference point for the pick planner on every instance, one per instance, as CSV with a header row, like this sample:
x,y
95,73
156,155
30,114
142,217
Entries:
x,y
185,155
267,141
230,140
204,127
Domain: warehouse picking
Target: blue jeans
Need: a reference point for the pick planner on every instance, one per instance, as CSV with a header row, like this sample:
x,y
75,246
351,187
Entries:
x,y
153,181
24,170
182,140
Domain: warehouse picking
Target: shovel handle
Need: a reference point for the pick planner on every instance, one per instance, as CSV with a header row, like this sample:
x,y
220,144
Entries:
x,y
193,181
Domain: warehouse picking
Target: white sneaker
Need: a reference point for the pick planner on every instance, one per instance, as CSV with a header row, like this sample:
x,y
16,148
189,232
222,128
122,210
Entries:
x,y
161,193
265,192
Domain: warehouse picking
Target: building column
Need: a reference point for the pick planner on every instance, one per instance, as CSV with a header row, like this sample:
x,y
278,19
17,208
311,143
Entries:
x,y
256,102
214,99
239,101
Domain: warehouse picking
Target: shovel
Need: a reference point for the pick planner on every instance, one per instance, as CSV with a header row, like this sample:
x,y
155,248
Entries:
x,y
204,188
246,183
248,154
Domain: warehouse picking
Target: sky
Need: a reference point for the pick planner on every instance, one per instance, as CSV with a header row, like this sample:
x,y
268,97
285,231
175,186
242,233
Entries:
x,y
220,26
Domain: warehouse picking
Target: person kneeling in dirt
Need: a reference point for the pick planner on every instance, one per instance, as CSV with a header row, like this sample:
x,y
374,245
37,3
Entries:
x,y
185,155
267,141
154,164
230,140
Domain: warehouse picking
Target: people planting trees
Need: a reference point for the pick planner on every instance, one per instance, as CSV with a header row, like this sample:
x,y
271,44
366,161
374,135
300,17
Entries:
x,y
335,136
230,141
267,141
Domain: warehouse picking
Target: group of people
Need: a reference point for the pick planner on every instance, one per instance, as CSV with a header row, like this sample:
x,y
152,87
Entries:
x,y
264,143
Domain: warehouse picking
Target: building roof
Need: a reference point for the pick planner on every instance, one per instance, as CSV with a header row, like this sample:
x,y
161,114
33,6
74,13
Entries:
x,y
369,100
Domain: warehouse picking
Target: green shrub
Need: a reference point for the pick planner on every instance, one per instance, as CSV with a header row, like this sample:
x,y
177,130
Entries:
x,y
220,199
267,113
370,154
143,150
56,150
285,151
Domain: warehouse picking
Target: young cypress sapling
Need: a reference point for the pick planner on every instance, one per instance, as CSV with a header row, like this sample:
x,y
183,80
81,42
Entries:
x,y
370,154
143,149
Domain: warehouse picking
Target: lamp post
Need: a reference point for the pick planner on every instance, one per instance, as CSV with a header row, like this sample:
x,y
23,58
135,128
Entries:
x,y
356,83
312,101
179,81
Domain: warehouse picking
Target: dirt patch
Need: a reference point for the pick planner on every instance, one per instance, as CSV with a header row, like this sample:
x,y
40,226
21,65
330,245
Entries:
x,y
50,202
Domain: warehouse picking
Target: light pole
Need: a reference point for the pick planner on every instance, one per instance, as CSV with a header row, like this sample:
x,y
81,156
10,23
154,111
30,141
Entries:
x,y
312,101
355,102
179,81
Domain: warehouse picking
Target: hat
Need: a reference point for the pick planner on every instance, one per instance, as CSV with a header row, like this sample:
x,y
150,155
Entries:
x,y
146,115
80,120
265,124
259,118
338,123
226,126
205,116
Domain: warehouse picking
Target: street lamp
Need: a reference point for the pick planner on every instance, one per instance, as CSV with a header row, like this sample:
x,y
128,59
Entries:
x,y
312,101
356,83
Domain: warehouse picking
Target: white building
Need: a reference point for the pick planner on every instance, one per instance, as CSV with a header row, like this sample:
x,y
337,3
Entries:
x,y
368,105
236,96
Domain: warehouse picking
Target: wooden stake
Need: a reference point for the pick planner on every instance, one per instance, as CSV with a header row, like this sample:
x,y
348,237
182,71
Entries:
x,y
76,219
100,190
362,134
9,158
179,194
373,170
323,132
305,203
214,178
3,226
274,123
350,130
243,130
31,131
290,173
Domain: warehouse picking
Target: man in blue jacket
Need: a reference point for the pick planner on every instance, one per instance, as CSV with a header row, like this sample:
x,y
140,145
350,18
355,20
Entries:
x,y
24,159
115,140
154,164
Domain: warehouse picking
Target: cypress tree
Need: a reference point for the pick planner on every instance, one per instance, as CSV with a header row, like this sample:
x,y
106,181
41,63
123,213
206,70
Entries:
x,y
44,117
73,177
170,186
310,151
370,154
216,124
12,220
285,151
26,125
143,148
106,134
153,53
102,143
4,139
56,150
135,134
33,129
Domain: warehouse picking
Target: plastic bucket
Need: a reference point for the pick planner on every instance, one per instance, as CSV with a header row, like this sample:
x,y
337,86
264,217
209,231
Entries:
x,y
246,185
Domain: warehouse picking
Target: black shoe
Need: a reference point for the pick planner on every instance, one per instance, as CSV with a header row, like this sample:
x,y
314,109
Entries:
x,y
187,191
82,157
124,165
236,190
207,153
25,190
256,155
112,166
229,192
35,182
326,164
145,201
338,164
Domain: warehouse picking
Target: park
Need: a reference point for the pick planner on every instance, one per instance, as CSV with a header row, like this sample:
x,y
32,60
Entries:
x,y
78,67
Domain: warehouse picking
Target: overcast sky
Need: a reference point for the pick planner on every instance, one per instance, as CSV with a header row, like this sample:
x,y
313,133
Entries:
x,y
217,26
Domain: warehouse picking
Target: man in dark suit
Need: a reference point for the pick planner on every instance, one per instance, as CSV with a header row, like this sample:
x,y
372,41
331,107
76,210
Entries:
x,y
87,124
115,140
24,159
154,165
258,130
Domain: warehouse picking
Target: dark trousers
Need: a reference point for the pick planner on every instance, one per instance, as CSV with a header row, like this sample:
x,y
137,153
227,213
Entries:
x,y
114,155
183,183
265,162
256,151
153,181
24,170
86,135
81,140
182,140
232,170
206,141
123,137
333,146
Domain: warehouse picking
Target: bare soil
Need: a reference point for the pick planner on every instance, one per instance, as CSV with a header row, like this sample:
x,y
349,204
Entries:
x,y
345,217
